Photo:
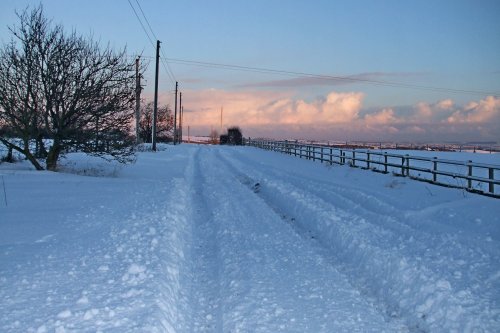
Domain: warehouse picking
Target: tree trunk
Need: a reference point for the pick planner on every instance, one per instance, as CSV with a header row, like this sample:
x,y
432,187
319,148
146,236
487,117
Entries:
x,y
53,156
10,158
33,160
29,156
41,152
26,152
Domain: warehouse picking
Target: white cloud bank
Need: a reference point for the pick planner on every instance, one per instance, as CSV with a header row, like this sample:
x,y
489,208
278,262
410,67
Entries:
x,y
340,116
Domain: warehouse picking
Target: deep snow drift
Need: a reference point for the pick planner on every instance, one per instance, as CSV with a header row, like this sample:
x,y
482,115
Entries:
x,y
237,239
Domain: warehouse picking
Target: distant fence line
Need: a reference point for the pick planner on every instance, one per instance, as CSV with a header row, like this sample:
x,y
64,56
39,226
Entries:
x,y
480,178
485,147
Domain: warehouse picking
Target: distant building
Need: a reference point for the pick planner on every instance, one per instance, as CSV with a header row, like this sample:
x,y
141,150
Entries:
x,y
233,137
224,139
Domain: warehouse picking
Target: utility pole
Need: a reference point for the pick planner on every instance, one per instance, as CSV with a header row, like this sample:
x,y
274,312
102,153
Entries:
x,y
182,121
137,100
155,109
175,112
189,136
221,110
179,139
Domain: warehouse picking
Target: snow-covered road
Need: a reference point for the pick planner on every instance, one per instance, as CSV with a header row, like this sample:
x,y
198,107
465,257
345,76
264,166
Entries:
x,y
255,272
236,239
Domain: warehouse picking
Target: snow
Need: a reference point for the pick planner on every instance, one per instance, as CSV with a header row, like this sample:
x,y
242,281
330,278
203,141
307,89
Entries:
x,y
199,238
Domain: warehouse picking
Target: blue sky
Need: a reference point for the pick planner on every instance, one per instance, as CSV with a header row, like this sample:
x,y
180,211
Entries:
x,y
446,44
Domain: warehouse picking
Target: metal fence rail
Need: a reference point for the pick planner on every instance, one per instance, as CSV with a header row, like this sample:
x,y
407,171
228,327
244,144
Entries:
x,y
475,177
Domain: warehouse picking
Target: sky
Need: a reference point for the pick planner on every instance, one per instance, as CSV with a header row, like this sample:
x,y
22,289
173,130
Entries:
x,y
420,71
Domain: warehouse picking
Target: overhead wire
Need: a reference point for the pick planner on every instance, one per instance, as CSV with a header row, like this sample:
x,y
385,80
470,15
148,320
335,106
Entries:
x,y
329,77
163,60
352,79
142,25
145,18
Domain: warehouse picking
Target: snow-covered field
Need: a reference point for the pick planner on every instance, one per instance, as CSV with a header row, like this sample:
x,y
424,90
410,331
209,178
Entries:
x,y
202,238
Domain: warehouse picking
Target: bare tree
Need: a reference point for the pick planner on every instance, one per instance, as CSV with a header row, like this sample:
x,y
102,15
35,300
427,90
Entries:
x,y
164,123
20,93
74,92
214,137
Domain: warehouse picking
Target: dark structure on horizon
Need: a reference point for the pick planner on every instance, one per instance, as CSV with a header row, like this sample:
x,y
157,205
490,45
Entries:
x,y
233,137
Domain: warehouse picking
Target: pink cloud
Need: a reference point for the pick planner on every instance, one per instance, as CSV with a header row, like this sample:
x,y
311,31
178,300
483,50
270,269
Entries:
x,y
341,107
424,111
338,116
264,108
386,116
416,129
483,111
446,104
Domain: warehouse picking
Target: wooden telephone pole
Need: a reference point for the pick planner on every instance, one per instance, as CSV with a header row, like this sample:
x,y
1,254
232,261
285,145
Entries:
x,y
221,110
155,109
137,100
175,112
179,137
181,123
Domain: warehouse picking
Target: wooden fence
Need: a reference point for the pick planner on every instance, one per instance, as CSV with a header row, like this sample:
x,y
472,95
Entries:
x,y
474,177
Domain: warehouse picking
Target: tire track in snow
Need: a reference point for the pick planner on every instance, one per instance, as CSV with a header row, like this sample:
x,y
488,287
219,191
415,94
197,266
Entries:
x,y
206,312
270,278
408,226
341,196
362,241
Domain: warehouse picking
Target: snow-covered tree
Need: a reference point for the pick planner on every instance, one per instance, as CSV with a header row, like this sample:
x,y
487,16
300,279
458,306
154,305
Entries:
x,y
64,87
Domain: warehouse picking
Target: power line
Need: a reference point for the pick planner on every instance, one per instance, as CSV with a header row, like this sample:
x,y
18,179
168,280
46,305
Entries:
x,y
145,18
167,68
142,25
328,77
165,64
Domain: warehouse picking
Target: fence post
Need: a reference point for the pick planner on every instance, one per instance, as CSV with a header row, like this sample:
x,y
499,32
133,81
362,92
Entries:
x,y
491,174
407,165
341,157
353,158
368,160
434,168
403,165
321,154
331,157
469,174
385,162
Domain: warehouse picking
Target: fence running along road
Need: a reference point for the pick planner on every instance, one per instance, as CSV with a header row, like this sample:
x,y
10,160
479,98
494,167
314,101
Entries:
x,y
474,177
